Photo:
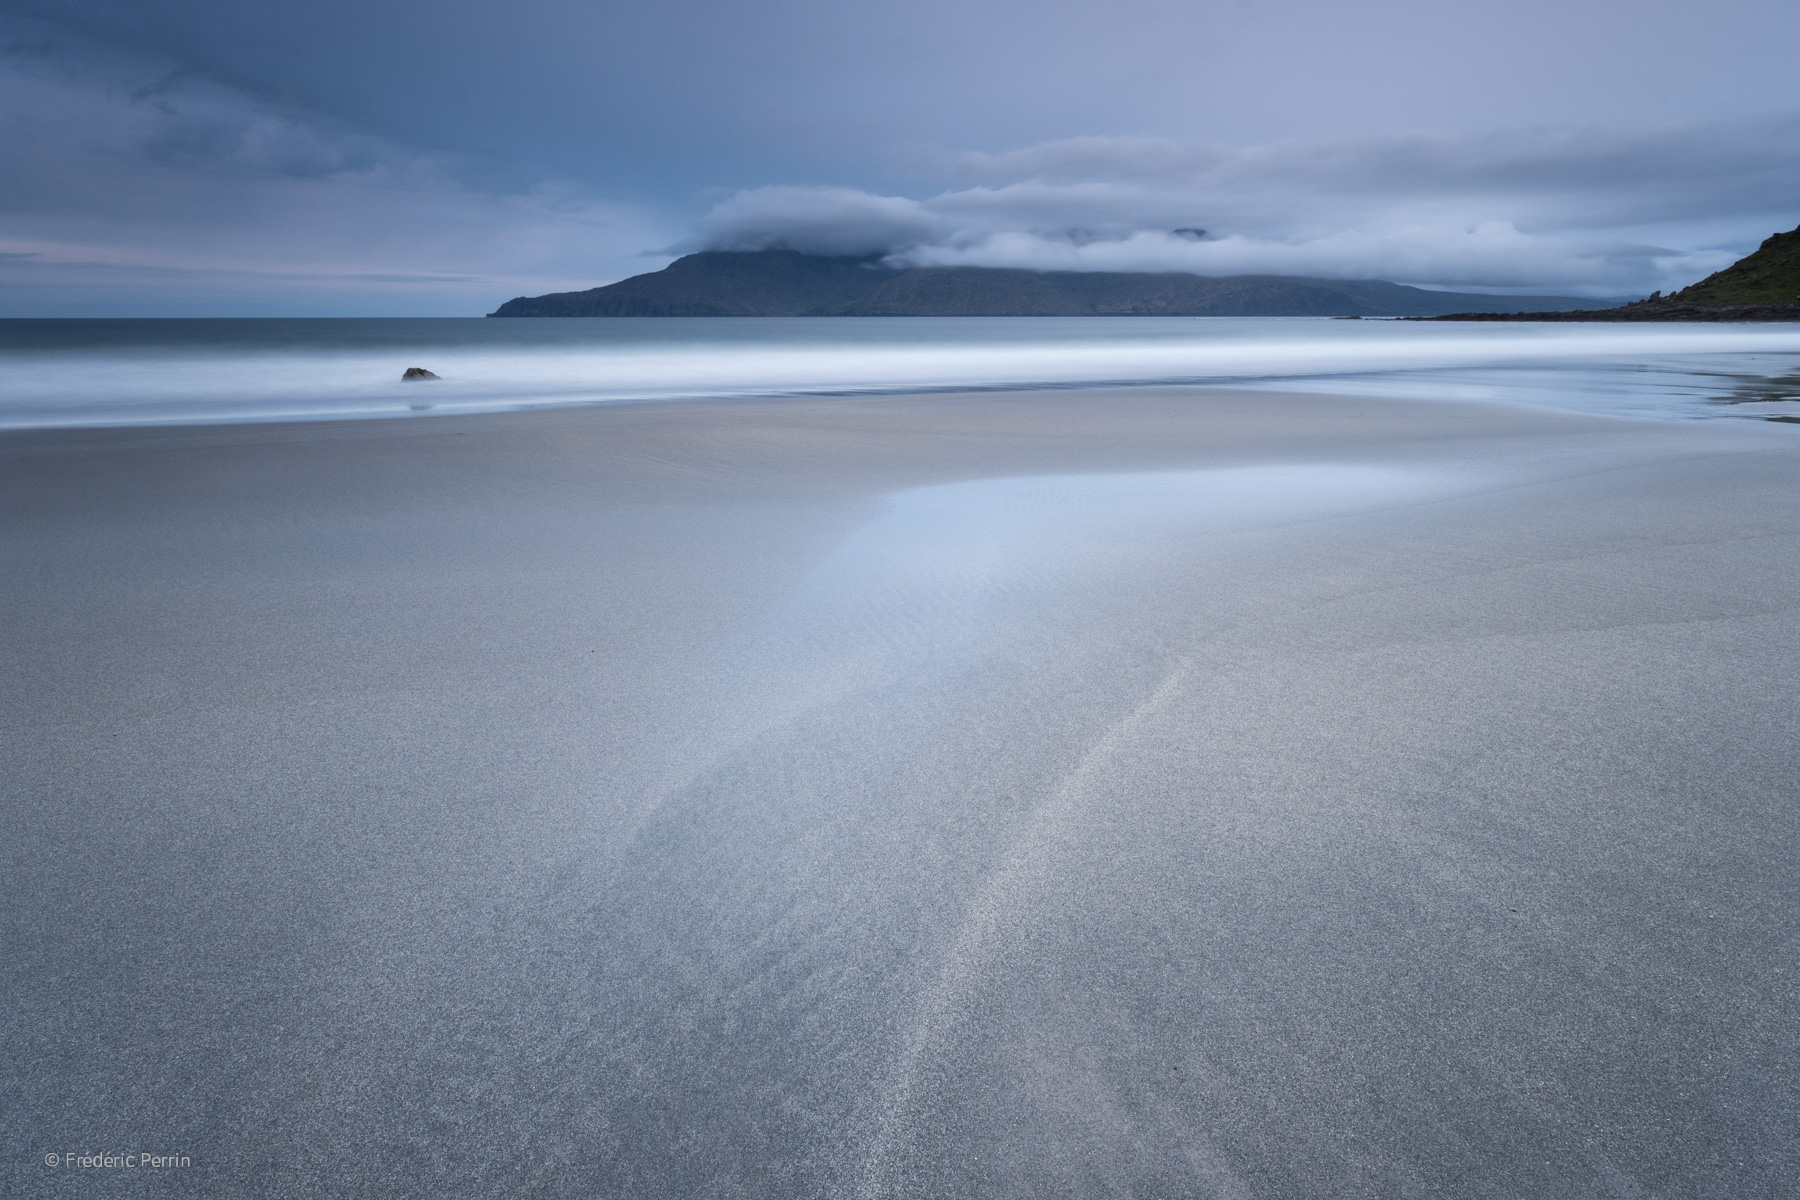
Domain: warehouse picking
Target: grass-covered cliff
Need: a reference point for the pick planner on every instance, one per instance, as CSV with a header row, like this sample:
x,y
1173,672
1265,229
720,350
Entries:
x,y
1769,276
1761,286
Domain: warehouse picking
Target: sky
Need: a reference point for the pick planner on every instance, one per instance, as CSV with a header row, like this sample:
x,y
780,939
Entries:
x,y
398,157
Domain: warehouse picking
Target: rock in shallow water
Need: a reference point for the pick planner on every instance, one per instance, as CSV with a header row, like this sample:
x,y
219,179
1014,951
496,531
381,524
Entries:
x,y
419,373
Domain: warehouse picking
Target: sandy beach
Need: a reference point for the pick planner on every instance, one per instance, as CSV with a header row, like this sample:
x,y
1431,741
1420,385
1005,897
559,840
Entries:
x,y
1154,792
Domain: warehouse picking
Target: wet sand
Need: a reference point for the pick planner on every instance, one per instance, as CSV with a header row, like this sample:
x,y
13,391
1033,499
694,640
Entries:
x,y
1162,792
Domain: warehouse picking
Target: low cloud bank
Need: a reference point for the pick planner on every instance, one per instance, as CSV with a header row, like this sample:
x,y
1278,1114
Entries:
x,y
1577,211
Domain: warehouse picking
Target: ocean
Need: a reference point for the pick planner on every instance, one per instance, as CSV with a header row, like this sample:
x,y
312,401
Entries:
x,y
181,371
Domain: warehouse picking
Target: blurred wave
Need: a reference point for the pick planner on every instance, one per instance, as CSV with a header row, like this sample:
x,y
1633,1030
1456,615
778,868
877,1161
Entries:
x,y
134,372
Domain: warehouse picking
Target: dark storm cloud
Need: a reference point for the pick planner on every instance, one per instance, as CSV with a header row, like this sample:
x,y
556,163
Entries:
x,y
627,93
130,177
554,143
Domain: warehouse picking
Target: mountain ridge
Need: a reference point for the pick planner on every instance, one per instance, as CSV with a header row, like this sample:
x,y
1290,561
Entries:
x,y
785,283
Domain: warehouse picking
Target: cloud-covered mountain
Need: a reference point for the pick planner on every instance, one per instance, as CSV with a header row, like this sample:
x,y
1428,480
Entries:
x,y
786,283
1520,209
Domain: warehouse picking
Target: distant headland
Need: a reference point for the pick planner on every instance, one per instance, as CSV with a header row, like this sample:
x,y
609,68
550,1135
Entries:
x,y
1762,286
784,283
